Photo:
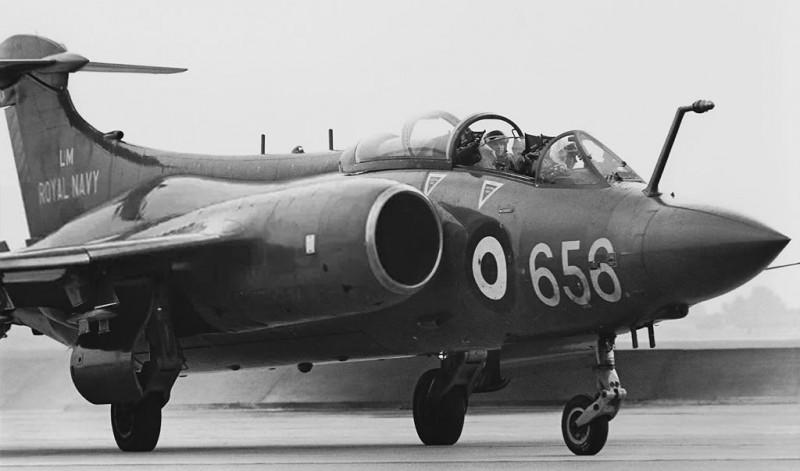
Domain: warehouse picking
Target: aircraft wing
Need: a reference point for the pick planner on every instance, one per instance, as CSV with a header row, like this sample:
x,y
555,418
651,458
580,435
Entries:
x,y
165,240
104,251
36,278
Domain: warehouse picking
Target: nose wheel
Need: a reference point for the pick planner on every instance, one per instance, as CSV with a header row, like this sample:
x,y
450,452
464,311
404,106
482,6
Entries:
x,y
584,423
586,439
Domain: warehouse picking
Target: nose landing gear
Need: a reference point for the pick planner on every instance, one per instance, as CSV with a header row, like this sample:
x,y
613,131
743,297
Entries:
x,y
587,439
584,423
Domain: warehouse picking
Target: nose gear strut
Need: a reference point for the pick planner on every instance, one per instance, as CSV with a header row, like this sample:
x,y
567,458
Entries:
x,y
584,422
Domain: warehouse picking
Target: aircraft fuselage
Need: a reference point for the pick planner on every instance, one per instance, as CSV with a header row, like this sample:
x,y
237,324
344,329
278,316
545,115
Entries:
x,y
520,263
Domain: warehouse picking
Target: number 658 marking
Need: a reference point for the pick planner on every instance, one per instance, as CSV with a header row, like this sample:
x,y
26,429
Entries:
x,y
583,297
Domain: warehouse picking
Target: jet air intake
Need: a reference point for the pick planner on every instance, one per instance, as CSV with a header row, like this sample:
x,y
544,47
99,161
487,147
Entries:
x,y
404,239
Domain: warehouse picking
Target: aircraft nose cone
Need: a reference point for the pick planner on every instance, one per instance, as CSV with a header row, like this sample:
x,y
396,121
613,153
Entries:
x,y
697,254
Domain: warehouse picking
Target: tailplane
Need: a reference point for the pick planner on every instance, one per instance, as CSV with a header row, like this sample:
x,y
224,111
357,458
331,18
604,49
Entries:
x,y
23,54
64,165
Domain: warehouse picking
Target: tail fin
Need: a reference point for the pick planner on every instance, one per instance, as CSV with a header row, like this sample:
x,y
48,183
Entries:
x,y
64,165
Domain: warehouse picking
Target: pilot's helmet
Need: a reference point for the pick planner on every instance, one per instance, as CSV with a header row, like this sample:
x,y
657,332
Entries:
x,y
570,149
496,140
493,136
570,155
562,150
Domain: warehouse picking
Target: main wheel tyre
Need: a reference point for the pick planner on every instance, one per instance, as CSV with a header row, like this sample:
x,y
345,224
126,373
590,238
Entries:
x,y
137,426
438,422
588,439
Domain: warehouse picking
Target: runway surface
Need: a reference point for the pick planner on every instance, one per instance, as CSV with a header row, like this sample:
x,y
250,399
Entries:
x,y
685,437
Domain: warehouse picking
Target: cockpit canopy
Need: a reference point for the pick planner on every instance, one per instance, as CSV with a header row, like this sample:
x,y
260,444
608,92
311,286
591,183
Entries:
x,y
577,159
493,143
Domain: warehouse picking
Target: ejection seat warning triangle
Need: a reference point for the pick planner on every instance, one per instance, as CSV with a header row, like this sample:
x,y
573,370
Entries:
x,y
487,190
432,181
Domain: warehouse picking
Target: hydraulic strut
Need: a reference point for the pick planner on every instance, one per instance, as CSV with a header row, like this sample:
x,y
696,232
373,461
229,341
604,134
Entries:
x,y
610,392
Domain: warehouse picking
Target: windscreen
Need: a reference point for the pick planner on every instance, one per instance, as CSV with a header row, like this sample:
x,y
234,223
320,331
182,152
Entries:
x,y
610,166
565,164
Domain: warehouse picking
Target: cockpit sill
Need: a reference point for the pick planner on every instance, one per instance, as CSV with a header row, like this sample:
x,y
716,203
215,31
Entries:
x,y
491,144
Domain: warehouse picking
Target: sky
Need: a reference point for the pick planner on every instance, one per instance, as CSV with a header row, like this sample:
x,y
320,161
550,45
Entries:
x,y
293,69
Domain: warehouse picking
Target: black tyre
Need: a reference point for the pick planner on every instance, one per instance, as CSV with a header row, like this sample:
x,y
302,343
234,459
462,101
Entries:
x,y
438,422
588,439
137,426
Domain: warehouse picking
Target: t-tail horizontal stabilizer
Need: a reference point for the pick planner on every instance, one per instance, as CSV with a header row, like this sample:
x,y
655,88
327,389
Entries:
x,y
130,69
20,55
70,62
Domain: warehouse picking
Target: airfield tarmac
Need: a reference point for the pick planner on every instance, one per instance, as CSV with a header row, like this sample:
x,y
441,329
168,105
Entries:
x,y
686,437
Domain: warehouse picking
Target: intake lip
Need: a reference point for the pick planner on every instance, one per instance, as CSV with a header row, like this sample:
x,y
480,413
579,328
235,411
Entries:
x,y
403,239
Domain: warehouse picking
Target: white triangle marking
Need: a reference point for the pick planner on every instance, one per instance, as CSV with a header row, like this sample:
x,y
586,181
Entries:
x,y
487,190
433,180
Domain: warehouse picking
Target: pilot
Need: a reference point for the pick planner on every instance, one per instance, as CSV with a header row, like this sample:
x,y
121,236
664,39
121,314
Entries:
x,y
565,155
494,153
571,155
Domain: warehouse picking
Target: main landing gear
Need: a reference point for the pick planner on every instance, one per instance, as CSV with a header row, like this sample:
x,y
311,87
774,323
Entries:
x,y
438,418
137,426
442,394
584,423
129,357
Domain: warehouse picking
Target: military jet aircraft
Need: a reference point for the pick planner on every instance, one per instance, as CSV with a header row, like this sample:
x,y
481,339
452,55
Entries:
x,y
468,239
